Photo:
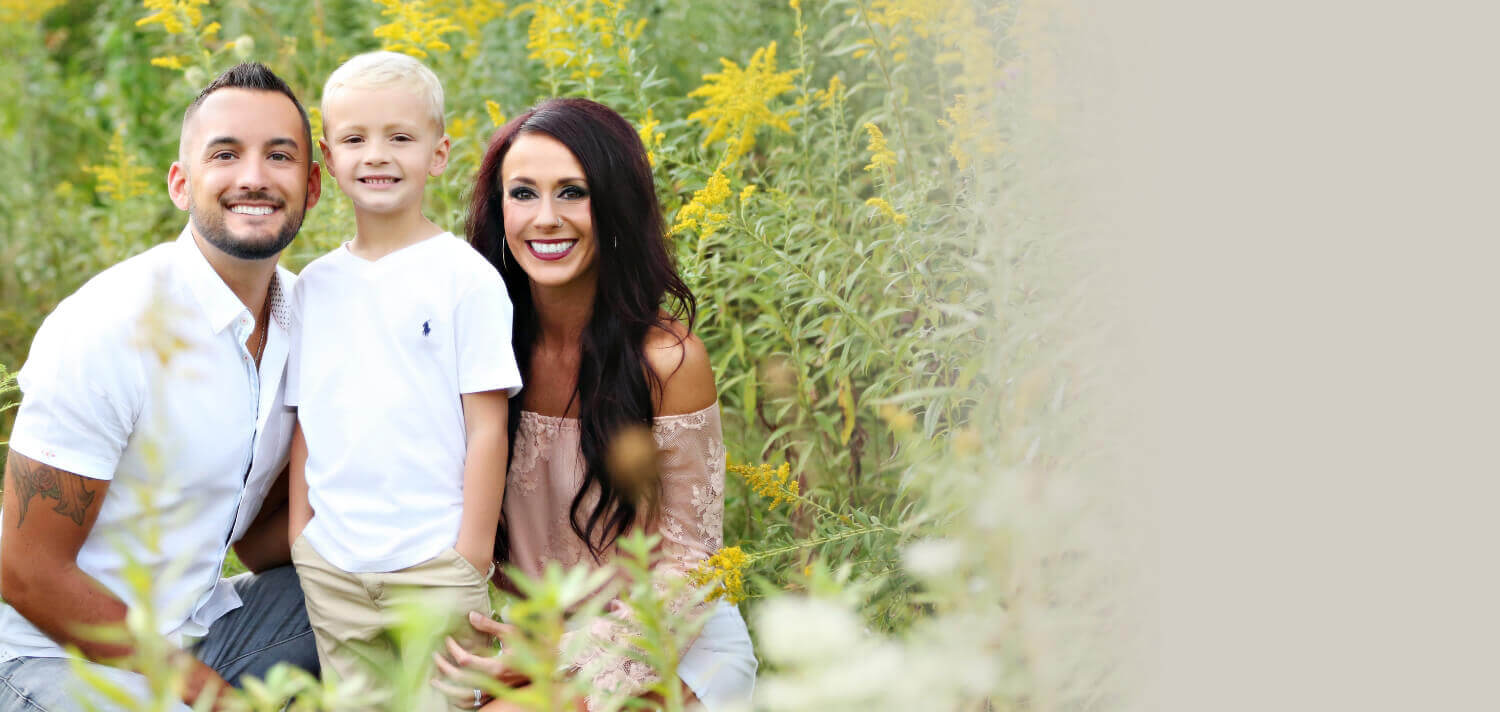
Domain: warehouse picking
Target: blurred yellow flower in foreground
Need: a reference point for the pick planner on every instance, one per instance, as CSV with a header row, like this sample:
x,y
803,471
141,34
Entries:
x,y
738,101
497,117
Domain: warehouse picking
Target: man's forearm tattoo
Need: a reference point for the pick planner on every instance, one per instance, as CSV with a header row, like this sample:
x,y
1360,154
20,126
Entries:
x,y
30,478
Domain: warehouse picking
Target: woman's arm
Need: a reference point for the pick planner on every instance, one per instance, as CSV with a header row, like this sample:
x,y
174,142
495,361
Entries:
x,y
485,416
681,364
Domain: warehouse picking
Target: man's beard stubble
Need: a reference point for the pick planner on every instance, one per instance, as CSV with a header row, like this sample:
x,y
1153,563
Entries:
x,y
217,234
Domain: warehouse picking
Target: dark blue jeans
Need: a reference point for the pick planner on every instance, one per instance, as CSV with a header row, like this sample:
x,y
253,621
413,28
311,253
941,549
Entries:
x,y
270,627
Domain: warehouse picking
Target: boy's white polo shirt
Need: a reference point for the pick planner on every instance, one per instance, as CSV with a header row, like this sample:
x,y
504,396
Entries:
x,y
382,351
141,378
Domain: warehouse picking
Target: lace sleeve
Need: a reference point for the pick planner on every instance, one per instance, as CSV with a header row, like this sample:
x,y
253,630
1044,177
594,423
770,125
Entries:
x,y
690,522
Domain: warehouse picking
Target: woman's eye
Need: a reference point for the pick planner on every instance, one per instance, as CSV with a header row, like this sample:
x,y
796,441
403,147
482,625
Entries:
x,y
573,192
521,194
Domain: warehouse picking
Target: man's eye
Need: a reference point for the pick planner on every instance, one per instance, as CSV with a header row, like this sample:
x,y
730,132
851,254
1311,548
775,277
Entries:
x,y
223,156
279,156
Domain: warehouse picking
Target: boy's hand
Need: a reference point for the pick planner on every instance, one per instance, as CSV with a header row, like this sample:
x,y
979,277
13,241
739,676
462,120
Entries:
x,y
478,556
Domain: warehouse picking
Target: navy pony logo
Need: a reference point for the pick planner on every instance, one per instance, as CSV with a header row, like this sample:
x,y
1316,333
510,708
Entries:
x,y
426,327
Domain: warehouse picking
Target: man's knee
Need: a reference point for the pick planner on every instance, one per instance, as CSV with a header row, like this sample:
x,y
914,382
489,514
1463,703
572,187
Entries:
x,y
50,685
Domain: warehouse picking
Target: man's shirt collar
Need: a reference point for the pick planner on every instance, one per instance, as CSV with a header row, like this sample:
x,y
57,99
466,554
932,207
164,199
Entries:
x,y
218,301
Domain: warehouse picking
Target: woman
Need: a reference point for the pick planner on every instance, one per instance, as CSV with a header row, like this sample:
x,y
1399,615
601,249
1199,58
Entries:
x,y
565,208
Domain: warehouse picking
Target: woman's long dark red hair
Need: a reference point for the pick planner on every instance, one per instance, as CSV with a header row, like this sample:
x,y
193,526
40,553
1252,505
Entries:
x,y
635,272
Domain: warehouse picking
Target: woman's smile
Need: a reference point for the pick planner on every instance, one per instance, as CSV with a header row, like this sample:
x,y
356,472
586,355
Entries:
x,y
550,249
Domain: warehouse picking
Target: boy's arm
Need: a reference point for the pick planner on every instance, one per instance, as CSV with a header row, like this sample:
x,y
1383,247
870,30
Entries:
x,y
485,416
299,510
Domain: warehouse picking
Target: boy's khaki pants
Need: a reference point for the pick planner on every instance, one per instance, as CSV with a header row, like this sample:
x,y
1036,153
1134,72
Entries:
x,y
353,616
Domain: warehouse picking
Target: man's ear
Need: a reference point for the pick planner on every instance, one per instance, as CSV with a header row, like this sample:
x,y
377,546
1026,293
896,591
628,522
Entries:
x,y
177,185
440,157
314,184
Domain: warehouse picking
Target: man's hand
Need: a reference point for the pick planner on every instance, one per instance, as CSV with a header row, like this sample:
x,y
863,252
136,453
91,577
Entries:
x,y
203,680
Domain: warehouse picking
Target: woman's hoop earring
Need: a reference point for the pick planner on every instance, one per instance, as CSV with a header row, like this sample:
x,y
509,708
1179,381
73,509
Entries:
x,y
617,242
502,253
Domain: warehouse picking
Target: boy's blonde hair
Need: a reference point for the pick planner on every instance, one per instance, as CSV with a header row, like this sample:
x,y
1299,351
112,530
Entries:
x,y
378,70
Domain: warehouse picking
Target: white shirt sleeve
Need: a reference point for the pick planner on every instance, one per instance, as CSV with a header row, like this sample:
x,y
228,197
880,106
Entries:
x,y
482,327
293,390
83,387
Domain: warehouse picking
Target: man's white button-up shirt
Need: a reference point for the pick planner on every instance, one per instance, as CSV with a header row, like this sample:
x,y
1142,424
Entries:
x,y
142,378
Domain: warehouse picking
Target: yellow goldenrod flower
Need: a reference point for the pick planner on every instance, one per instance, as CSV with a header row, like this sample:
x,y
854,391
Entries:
x,y
493,109
650,137
168,62
727,569
121,178
890,212
175,16
971,129
471,17
881,156
770,483
834,92
738,101
461,127
315,121
698,214
555,29
748,191
413,28
19,11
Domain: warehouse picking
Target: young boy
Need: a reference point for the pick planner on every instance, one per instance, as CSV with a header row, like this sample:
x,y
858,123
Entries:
x,y
400,371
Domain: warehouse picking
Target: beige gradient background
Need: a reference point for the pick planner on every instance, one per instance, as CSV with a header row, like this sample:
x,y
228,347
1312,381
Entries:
x,y
1299,204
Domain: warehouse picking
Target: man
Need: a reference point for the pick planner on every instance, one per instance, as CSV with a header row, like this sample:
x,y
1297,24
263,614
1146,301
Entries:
x,y
151,429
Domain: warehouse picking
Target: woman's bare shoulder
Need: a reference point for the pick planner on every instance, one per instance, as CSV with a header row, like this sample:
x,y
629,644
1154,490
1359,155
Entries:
x,y
681,363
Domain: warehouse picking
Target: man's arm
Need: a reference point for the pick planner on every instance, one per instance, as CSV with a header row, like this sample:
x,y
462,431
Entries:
x,y
484,475
264,544
48,515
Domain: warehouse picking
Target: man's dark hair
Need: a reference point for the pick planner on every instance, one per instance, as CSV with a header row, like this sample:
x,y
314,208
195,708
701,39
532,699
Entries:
x,y
254,76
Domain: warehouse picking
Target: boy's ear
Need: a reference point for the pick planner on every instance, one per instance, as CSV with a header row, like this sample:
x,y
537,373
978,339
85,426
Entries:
x,y
325,155
440,157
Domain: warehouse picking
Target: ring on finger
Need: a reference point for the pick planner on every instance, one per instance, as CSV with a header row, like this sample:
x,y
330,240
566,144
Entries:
x,y
478,698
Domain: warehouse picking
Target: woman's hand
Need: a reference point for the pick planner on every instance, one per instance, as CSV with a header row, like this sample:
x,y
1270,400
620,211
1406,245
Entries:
x,y
463,672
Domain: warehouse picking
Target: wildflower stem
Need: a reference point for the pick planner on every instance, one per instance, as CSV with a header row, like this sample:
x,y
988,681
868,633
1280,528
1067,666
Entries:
x,y
816,541
864,14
